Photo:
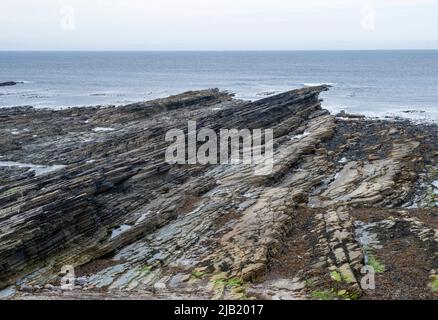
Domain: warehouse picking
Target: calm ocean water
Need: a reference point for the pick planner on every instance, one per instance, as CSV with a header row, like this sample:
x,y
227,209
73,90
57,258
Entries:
x,y
370,82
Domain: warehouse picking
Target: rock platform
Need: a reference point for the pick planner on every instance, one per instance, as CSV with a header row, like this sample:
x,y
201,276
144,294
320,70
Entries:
x,y
90,188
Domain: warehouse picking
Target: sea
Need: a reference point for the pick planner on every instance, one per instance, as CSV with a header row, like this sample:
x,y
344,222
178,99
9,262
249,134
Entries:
x,y
400,83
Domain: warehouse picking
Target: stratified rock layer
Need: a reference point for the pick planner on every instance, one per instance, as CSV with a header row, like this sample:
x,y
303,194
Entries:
x,y
90,188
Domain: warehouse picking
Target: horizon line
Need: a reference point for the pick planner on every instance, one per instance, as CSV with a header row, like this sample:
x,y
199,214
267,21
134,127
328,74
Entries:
x,y
207,50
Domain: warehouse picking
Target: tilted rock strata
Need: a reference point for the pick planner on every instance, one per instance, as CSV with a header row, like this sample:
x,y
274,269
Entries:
x,y
133,225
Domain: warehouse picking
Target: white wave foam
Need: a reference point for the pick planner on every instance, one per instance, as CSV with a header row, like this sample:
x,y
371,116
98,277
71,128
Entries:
x,y
414,115
316,84
39,169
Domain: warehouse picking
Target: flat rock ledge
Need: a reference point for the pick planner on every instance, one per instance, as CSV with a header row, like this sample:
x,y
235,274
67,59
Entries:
x,y
87,191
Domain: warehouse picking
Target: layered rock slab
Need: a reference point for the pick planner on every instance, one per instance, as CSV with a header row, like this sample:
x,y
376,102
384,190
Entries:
x,y
133,225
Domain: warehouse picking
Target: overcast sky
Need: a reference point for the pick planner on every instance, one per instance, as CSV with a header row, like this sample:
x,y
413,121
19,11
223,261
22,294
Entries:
x,y
218,24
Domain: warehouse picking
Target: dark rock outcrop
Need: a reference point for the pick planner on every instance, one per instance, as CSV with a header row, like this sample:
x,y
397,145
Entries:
x,y
8,83
101,197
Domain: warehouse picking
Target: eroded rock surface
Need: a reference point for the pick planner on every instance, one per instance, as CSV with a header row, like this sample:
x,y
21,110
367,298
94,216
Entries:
x,y
90,188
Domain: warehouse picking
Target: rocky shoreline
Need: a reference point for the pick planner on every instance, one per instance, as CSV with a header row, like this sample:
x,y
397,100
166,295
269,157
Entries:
x,y
90,188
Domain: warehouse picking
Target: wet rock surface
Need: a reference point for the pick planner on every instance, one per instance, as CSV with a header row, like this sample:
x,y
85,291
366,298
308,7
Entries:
x,y
89,188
